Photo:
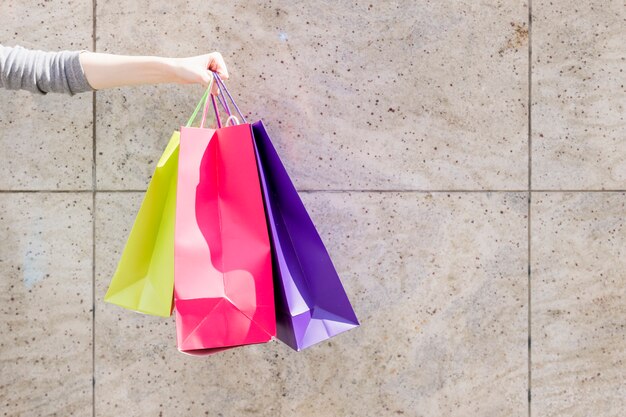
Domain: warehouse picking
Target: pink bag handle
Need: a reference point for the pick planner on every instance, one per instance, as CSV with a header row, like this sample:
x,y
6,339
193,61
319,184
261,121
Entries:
x,y
206,106
222,100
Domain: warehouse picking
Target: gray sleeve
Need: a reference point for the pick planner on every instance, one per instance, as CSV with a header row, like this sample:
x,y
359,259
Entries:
x,y
42,72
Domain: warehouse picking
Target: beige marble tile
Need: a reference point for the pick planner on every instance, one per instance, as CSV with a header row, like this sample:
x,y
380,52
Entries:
x,y
438,282
45,304
392,95
133,128
47,25
578,95
140,372
578,304
45,140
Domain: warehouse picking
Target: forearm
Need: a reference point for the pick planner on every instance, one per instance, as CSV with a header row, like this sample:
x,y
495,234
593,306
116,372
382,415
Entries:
x,y
109,71
80,71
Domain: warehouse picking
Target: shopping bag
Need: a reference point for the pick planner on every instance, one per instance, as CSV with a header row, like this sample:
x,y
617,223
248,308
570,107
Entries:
x,y
144,278
223,290
311,303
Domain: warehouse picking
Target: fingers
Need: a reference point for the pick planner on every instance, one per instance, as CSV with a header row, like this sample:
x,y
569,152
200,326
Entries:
x,y
206,78
214,89
217,64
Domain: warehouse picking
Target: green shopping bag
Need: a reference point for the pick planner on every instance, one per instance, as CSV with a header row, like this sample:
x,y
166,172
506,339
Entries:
x,y
144,279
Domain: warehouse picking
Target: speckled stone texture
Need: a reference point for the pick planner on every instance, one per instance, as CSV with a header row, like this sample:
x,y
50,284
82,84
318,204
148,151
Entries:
x,y
578,95
406,127
444,323
46,141
45,304
139,371
438,89
442,300
579,304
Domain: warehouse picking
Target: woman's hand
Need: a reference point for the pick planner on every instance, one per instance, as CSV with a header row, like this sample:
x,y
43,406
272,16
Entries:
x,y
197,69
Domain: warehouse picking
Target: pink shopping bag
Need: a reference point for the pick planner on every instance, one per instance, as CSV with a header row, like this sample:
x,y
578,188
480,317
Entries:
x,y
223,289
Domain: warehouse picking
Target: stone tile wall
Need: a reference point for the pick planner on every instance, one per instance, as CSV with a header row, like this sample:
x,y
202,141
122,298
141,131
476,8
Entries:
x,y
464,162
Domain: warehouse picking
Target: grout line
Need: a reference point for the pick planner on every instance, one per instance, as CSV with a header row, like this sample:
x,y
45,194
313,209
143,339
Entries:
x,y
456,191
338,191
578,191
93,253
407,191
530,134
530,193
47,191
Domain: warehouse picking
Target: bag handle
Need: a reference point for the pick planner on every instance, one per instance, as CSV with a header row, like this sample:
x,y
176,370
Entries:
x,y
202,103
223,89
222,100
206,106
198,107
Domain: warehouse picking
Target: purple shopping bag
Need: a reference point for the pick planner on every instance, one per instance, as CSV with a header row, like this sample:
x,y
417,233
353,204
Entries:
x,y
311,304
